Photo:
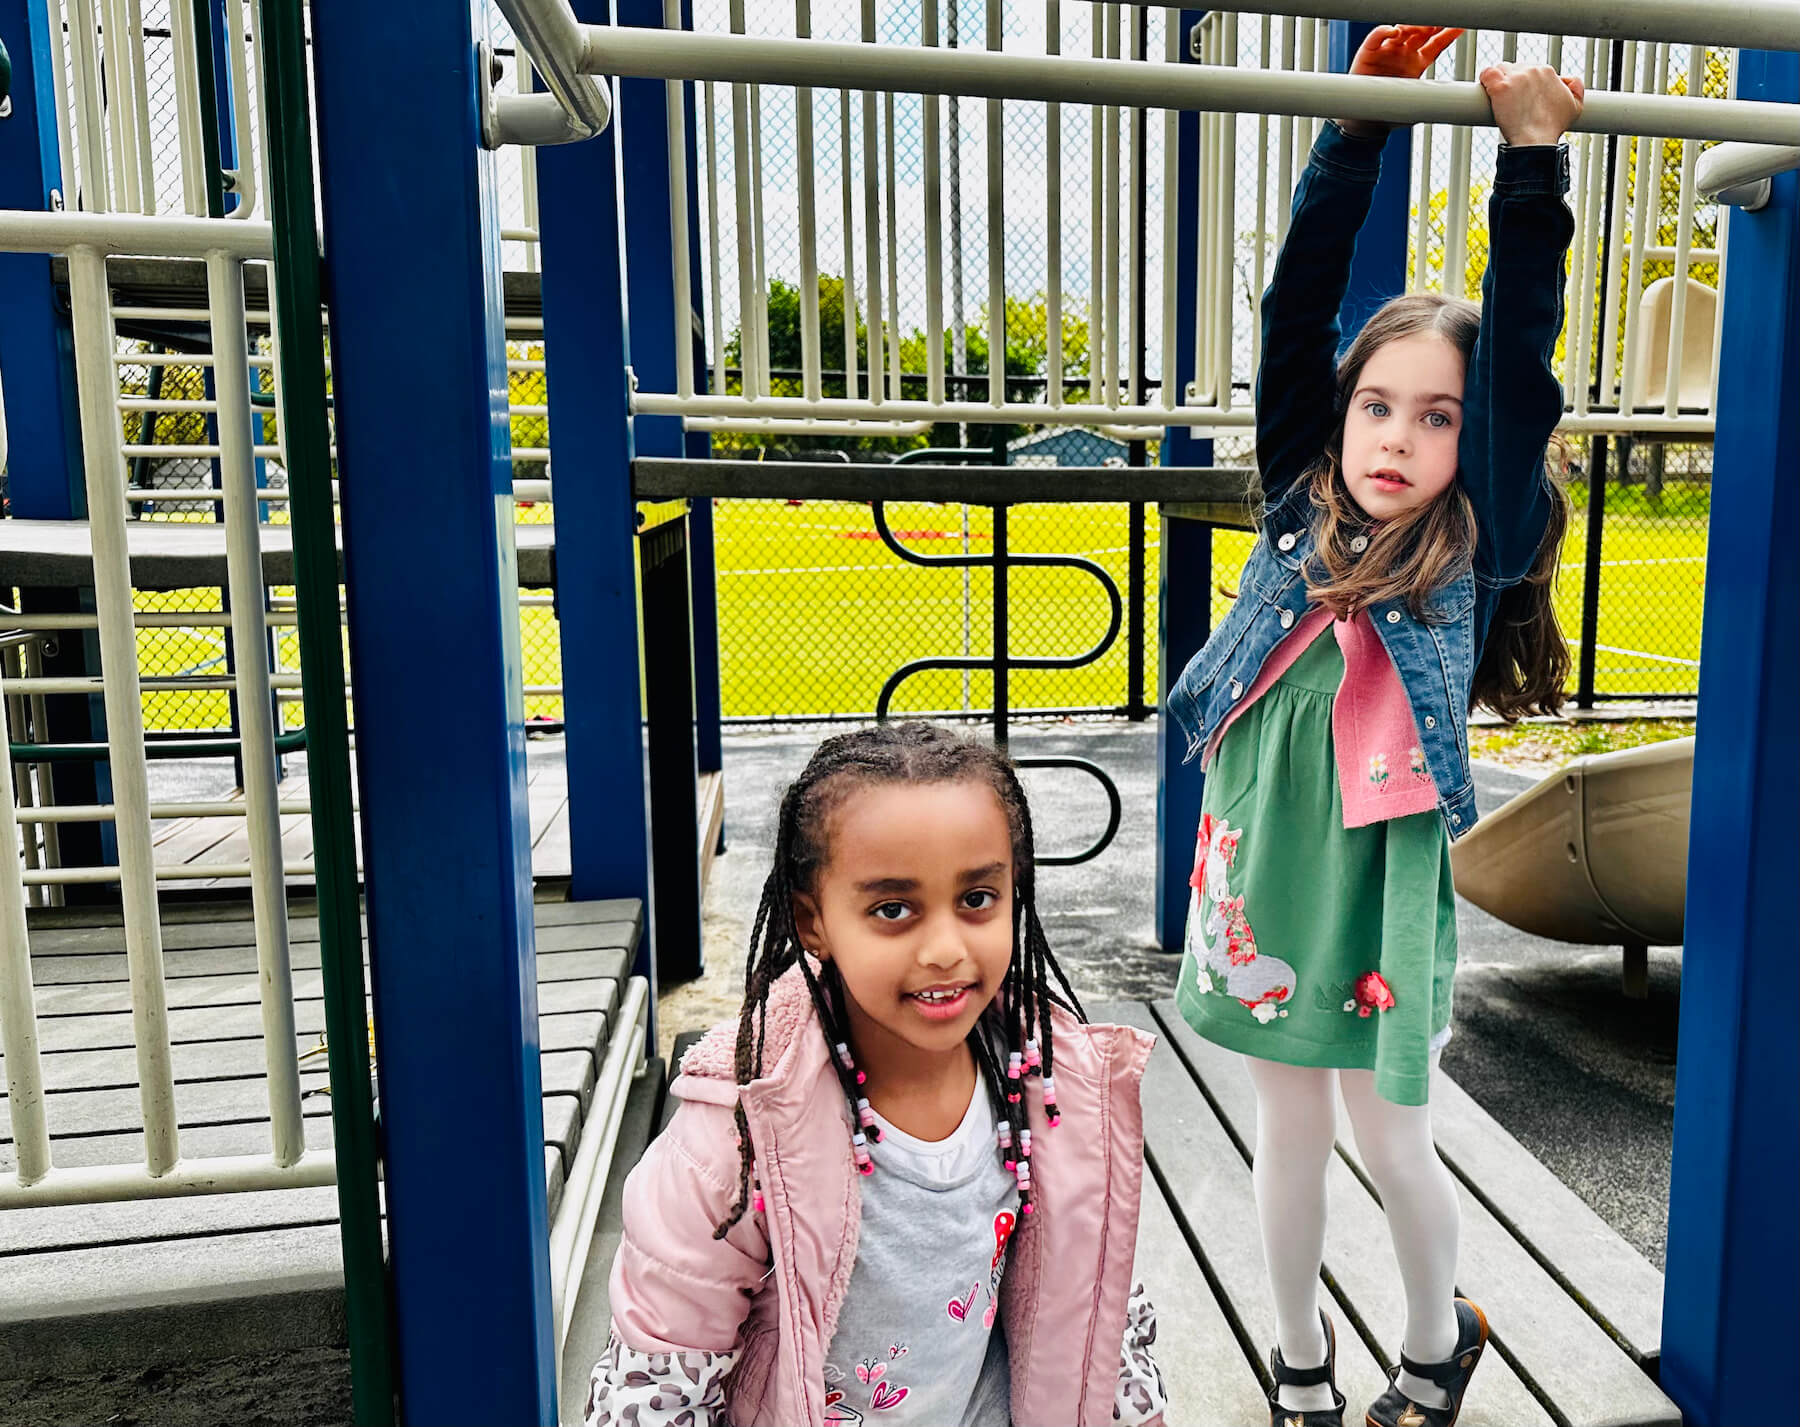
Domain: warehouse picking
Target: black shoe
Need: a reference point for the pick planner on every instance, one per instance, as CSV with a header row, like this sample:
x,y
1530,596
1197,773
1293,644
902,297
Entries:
x,y
1395,1409
1286,1376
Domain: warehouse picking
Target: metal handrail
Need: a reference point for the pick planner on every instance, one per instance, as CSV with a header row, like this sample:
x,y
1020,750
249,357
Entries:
x,y
745,59
577,106
1740,174
1742,24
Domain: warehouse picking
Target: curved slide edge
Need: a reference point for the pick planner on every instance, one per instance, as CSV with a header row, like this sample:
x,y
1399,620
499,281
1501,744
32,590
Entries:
x,y
1595,853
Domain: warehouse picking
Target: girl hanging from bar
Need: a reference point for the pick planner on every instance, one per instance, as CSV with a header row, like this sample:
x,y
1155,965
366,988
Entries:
x,y
1409,536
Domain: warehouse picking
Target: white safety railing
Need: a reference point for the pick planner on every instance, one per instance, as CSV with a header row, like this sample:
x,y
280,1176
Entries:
x,y
86,242
1267,68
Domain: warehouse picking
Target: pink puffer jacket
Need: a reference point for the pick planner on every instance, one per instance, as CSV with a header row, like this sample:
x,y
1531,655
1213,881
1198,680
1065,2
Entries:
x,y
771,1289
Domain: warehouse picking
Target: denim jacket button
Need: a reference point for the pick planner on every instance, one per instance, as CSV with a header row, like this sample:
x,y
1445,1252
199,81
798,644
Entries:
x,y
1287,541
1456,819
1237,689
1393,616
1287,619
1358,544
1430,720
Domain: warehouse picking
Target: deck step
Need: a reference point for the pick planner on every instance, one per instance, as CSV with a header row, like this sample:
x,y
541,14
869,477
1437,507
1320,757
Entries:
x,y
92,1289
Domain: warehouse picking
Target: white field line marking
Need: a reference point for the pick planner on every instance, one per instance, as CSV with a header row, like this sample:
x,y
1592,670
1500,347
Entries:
x,y
1645,654
1652,560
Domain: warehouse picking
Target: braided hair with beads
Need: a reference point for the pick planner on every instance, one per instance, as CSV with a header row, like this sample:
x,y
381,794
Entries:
x,y
1012,1038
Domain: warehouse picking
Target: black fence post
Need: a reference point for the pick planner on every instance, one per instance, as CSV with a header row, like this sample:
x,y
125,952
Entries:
x,y
1590,584
674,773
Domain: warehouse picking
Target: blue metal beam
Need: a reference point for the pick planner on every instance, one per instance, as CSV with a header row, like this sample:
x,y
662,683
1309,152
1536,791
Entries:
x,y
588,341
1734,1238
37,357
412,243
1185,595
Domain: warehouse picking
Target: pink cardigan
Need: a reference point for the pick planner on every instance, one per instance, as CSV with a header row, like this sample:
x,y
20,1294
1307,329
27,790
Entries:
x,y
1381,768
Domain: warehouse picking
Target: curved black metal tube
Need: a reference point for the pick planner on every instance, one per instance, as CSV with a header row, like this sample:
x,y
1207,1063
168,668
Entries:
x,y
1115,808
1115,621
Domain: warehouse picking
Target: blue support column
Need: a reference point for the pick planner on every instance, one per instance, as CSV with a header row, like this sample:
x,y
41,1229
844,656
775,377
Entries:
x,y
587,344
1379,269
1185,602
412,238
650,281
1734,1249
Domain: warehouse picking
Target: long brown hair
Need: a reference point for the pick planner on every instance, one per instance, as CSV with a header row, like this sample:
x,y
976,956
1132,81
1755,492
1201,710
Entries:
x,y
1525,663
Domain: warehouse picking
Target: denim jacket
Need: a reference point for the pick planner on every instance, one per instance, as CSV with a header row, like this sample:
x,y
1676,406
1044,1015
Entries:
x,y
1512,403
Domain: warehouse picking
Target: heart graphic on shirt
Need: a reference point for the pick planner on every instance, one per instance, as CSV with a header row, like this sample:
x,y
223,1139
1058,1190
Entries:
x,y
867,1371
1003,1227
834,1397
958,1308
887,1395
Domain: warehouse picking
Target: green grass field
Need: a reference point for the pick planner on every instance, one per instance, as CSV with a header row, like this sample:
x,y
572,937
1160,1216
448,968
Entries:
x,y
815,612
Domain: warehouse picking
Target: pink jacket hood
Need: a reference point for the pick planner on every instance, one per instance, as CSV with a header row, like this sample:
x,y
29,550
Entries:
x,y
675,1288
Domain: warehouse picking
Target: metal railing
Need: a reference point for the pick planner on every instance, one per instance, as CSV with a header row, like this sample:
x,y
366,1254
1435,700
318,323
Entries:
x,y
224,245
1262,71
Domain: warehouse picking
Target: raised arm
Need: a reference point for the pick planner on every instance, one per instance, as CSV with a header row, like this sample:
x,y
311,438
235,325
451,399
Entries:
x,y
1297,376
1512,400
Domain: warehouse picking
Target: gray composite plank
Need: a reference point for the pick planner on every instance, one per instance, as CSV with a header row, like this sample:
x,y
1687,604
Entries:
x,y
1206,1372
1552,1344
1619,1285
1209,1190
239,985
203,1023
1358,1260
590,952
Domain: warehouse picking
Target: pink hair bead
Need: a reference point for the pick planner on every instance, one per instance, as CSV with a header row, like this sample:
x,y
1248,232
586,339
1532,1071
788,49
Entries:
x,y
865,1116
1025,1207
1032,1057
757,1203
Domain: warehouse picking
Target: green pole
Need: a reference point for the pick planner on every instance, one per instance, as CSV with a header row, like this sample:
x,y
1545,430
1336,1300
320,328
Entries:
x,y
297,287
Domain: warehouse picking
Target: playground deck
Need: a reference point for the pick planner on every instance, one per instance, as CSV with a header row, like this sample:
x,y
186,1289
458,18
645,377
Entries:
x,y
97,1287
195,842
1576,1311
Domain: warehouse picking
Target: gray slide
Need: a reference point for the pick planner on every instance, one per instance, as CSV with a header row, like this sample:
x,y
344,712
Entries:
x,y
1596,853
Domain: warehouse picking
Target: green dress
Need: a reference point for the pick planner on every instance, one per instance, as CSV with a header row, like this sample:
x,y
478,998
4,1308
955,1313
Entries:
x,y
1309,942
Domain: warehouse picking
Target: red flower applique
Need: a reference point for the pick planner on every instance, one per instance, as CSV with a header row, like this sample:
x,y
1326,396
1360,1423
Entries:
x,y
1373,993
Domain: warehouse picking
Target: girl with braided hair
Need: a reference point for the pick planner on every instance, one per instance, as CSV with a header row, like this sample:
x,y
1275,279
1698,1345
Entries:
x,y
904,1186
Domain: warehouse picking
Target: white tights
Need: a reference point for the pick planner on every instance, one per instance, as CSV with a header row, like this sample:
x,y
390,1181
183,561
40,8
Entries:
x,y
1296,1125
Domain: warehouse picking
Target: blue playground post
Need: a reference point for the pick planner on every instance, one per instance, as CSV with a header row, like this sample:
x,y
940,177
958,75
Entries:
x,y
587,342
1378,271
682,712
1734,1246
650,282
412,239
37,359
1185,595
